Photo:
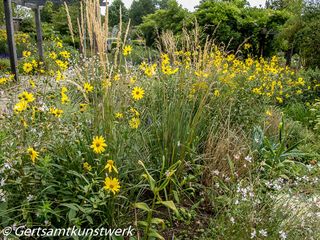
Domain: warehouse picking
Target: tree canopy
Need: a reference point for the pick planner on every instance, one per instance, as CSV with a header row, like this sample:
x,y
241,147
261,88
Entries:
x,y
170,18
114,12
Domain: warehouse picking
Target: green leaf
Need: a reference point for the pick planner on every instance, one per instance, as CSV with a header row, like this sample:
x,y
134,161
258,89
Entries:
x,y
78,175
147,175
231,166
176,196
72,214
89,219
70,205
154,233
171,205
142,223
158,221
142,205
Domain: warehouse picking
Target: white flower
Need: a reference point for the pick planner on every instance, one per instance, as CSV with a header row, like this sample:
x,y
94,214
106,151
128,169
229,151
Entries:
x,y
263,233
2,196
253,234
216,172
7,165
248,159
2,182
232,220
282,235
30,198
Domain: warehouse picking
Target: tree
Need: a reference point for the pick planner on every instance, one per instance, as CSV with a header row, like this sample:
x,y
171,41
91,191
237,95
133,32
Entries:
x,y
139,9
47,12
231,23
171,18
114,13
308,38
59,18
221,18
287,37
1,12
162,4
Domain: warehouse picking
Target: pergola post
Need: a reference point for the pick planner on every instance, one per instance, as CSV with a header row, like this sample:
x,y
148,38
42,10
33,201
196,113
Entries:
x,y
39,32
10,37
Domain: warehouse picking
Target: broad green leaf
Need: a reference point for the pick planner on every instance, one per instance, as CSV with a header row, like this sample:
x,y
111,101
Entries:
x,y
142,223
70,205
158,221
171,205
89,219
147,175
154,233
143,206
72,214
176,196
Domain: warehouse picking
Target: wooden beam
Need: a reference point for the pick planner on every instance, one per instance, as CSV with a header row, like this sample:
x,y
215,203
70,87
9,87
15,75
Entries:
x,y
36,2
39,33
10,37
43,2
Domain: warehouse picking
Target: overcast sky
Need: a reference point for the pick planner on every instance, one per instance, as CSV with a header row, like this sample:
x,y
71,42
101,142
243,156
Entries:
x,y
189,4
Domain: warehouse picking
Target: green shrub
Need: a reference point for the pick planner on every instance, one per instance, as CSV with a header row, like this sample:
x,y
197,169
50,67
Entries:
x,y
4,65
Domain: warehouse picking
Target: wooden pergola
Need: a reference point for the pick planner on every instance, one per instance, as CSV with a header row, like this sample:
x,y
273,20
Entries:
x,y
36,5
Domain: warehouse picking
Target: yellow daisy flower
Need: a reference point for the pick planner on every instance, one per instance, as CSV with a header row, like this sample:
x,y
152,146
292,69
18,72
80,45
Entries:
x,y
137,93
98,144
127,50
119,115
26,96
110,166
134,112
134,123
27,67
112,184
87,167
88,87
53,55
20,106
32,83
83,107
33,154
56,112
65,54
26,53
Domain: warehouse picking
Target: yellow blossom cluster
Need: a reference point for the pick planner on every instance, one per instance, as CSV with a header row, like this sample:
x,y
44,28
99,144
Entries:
x,y
56,112
148,69
111,184
25,98
166,67
271,79
6,79
20,37
64,97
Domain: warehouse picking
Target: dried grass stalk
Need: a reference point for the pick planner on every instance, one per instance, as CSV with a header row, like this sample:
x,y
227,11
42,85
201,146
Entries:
x,y
69,21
